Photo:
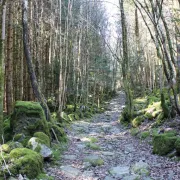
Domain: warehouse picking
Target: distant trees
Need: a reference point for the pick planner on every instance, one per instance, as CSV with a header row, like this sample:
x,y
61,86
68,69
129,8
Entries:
x,y
65,56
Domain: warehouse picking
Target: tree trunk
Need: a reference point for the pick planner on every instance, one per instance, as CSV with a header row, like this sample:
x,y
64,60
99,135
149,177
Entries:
x,y
2,71
28,57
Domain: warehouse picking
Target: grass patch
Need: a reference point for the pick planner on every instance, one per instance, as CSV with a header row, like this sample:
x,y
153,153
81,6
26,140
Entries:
x,y
93,146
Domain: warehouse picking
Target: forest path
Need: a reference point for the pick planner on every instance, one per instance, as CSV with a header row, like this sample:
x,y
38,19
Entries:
x,y
102,149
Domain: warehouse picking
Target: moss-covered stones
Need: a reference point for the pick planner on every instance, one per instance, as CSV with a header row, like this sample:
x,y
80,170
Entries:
x,y
24,161
43,138
137,121
28,118
163,143
94,160
37,145
5,148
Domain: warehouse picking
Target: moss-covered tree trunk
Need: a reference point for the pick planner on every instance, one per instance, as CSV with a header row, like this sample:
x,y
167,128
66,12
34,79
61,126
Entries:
x,y
125,64
2,70
29,62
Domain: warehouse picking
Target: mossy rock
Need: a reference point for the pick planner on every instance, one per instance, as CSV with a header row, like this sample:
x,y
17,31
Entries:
x,y
7,130
14,145
26,162
156,113
164,143
144,134
38,145
160,118
177,145
43,138
22,139
43,176
93,146
28,118
148,115
5,148
137,121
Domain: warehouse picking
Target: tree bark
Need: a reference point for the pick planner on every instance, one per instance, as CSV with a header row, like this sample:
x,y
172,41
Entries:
x,y
28,57
2,70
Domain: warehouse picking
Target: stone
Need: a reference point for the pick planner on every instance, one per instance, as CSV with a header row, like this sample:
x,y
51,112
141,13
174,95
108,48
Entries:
x,y
81,146
37,146
119,171
69,157
109,178
88,174
94,160
107,153
70,171
131,177
28,118
86,165
141,168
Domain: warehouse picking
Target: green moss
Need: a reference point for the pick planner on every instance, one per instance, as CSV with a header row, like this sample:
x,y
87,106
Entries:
x,y
64,116
5,148
17,137
134,131
93,146
44,177
76,116
59,131
43,137
93,139
125,116
25,161
156,113
71,117
177,146
28,118
144,134
137,121
7,130
57,150
163,143
38,148
152,99
160,119
148,115
14,145
87,115
95,162
98,162
164,106
70,108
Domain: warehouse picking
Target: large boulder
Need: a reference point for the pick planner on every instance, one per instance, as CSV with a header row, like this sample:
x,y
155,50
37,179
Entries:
x,y
23,161
28,118
164,143
37,145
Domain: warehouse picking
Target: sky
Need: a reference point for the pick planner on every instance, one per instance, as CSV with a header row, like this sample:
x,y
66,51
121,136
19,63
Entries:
x,y
113,11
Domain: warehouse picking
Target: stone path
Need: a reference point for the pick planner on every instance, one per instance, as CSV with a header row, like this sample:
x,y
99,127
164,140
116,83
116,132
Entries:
x,y
102,149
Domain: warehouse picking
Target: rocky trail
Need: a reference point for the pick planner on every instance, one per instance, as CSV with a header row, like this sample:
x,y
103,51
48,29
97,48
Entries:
x,y
102,149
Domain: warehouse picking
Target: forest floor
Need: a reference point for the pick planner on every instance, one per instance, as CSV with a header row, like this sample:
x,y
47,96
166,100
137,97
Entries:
x,y
101,148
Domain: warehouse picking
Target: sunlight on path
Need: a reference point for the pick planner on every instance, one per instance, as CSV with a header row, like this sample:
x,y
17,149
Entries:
x,y
102,149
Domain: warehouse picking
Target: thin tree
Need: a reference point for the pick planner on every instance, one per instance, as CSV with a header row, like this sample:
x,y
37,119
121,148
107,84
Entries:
x,y
28,57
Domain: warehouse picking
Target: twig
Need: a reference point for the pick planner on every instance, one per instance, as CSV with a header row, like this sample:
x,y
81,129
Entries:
x,y
55,135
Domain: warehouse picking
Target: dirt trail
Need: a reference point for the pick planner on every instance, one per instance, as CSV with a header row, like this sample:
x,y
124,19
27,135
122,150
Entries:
x,y
102,149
